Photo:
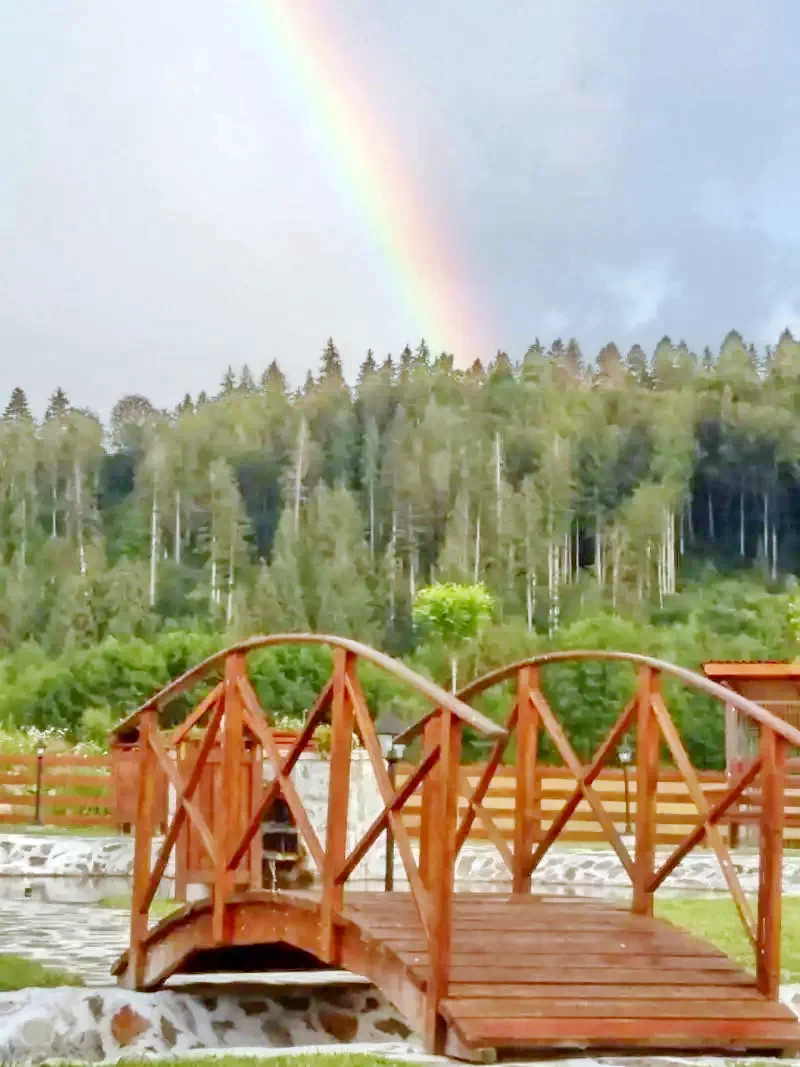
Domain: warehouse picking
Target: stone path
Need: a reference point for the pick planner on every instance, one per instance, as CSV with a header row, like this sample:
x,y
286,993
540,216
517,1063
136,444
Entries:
x,y
81,938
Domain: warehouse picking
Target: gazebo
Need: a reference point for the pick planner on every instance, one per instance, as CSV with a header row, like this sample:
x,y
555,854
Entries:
x,y
776,686
772,683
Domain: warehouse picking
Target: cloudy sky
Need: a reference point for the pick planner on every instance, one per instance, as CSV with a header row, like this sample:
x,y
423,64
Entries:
x,y
190,183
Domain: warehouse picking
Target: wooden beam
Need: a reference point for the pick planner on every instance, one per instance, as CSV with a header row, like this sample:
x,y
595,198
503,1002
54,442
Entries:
x,y
338,795
442,875
527,818
773,771
145,827
647,752
229,817
194,716
598,762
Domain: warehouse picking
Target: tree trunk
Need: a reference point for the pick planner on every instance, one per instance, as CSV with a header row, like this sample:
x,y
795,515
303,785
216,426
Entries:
x,y
153,548
453,674
78,476
54,525
498,470
774,552
711,533
765,534
229,605
741,523
298,474
372,519
177,546
213,570
477,565
392,567
530,597
23,553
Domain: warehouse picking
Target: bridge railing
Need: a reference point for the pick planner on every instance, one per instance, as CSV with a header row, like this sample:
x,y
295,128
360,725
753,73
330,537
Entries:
x,y
647,717
232,716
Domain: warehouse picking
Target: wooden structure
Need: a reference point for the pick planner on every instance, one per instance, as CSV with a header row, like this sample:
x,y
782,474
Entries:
x,y
675,809
775,686
473,975
56,789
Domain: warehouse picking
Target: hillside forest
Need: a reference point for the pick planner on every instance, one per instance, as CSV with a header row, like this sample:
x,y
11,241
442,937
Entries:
x,y
644,499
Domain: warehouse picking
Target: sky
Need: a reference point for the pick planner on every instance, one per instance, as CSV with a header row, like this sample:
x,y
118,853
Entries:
x,y
192,184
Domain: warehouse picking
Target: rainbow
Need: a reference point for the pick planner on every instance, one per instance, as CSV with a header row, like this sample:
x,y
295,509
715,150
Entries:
x,y
423,270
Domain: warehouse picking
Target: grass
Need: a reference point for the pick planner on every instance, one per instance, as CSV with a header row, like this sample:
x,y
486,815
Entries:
x,y
322,1059
159,909
19,973
718,922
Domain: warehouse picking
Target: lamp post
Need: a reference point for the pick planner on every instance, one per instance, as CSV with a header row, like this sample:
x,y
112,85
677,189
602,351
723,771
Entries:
x,y
625,755
388,727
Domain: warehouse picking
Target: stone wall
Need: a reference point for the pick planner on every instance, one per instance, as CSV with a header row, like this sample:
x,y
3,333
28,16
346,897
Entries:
x,y
38,1024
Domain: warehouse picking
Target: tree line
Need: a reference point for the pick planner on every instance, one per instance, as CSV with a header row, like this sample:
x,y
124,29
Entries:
x,y
559,482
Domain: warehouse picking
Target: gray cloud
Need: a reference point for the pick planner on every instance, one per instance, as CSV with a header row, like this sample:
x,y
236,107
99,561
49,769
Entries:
x,y
168,203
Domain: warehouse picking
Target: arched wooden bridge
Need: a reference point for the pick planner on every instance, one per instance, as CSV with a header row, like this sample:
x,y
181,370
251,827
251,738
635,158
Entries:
x,y
474,974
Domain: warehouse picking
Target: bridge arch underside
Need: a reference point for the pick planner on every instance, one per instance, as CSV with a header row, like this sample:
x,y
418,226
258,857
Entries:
x,y
528,973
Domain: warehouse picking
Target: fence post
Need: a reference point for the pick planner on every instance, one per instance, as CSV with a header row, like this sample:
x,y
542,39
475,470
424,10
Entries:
x,y
441,871
773,772
37,816
338,791
526,799
647,751
145,825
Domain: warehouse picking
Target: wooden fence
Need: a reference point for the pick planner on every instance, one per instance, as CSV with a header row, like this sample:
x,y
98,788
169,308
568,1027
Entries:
x,y
57,789
676,811
64,789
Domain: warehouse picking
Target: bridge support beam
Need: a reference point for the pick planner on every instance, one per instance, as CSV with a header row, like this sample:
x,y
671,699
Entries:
x,y
648,741
773,772
443,798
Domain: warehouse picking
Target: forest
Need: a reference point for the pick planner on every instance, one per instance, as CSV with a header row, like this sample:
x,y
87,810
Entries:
x,y
649,497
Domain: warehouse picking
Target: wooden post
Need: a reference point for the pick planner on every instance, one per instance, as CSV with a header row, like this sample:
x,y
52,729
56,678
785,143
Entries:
x,y
338,791
256,855
526,815
229,813
773,773
441,870
647,751
428,831
145,826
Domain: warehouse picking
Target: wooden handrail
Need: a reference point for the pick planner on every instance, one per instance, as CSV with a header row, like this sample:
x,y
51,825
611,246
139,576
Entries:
x,y
690,678
439,697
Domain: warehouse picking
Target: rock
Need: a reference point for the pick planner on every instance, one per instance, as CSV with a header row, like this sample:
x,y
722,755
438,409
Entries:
x,y
391,1025
95,1005
254,1007
169,1032
127,1025
340,1025
36,1032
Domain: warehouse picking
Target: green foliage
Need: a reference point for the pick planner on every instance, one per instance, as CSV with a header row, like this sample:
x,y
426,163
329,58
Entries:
x,y
453,612
19,973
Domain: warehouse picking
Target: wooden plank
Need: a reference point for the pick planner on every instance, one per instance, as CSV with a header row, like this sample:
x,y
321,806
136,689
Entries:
x,y
725,1008
636,1033
736,988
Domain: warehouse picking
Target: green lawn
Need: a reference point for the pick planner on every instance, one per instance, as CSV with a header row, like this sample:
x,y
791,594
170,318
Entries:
x,y
19,973
358,1059
159,909
717,921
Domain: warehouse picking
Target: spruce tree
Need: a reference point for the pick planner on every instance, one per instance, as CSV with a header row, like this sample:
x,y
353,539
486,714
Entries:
x,y
17,409
57,405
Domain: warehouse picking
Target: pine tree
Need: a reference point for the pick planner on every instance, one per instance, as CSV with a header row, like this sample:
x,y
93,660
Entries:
x,y
57,405
273,381
246,381
228,383
17,409
331,364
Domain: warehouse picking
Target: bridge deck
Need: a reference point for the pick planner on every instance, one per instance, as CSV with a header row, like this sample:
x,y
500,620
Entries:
x,y
527,972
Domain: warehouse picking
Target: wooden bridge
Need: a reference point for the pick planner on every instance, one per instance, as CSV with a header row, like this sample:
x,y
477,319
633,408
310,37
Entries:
x,y
475,974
